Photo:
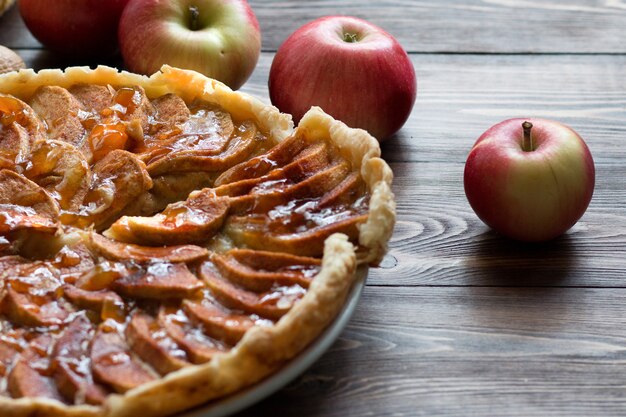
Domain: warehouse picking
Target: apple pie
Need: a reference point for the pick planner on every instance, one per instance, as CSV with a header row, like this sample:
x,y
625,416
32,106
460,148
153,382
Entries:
x,y
165,241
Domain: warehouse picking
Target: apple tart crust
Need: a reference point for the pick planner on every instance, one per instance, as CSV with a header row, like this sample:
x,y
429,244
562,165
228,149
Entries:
x,y
165,241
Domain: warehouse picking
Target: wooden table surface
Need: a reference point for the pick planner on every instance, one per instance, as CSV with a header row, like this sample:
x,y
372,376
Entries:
x,y
459,321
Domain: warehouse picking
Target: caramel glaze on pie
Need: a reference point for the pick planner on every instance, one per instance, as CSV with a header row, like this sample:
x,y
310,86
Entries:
x,y
144,231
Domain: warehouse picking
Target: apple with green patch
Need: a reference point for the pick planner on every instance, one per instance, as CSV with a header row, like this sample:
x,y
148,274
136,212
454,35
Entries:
x,y
218,38
529,179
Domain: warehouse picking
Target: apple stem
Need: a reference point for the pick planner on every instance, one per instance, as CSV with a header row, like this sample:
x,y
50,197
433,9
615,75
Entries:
x,y
350,37
527,145
195,14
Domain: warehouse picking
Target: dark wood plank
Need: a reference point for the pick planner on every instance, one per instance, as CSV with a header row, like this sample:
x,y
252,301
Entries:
x,y
482,26
459,97
469,352
440,241
489,26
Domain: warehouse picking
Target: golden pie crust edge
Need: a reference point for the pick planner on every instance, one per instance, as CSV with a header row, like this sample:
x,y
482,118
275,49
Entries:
x,y
263,349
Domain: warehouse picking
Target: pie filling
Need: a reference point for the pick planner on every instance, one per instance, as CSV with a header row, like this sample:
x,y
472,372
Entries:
x,y
140,236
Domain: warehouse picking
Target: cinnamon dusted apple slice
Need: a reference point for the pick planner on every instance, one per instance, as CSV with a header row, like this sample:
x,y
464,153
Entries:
x,y
60,169
61,112
115,250
10,265
7,356
310,160
112,362
71,364
199,347
14,218
25,205
278,156
14,145
103,275
28,376
269,194
72,261
14,110
31,296
23,381
20,128
170,111
106,303
94,98
212,122
118,179
260,270
193,221
304,238
32,310
160,280
11,344
239,147
7,161
218,322
132,105
153,345
206,128
350,189
274,303
119,125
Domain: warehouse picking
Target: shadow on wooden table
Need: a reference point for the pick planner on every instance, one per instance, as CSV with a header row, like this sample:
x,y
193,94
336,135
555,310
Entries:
x,y
43,59
503,262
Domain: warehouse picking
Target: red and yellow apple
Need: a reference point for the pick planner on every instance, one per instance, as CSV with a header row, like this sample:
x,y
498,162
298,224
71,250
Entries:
x,y
74,27
352,69
529,179
218,38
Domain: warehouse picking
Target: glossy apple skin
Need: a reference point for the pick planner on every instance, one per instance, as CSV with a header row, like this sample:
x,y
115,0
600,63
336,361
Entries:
x,y
529,196
368,84
225,45
74,27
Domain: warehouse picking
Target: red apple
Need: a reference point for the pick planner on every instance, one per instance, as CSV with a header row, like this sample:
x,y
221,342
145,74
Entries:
x,y
529,179
218,38
352,69
74,27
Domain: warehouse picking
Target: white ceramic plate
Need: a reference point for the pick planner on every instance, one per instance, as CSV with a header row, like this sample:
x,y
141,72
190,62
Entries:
x,y
293,369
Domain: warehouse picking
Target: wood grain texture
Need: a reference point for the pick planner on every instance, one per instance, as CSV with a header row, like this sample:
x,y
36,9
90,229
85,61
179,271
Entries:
x,y
484,26
450,26
440,241
469,352
459,97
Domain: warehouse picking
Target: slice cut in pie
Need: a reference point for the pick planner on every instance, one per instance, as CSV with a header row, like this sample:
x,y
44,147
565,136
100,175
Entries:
x,y
165,241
